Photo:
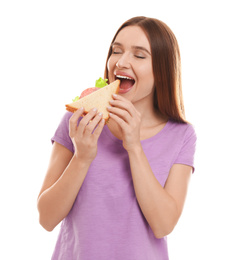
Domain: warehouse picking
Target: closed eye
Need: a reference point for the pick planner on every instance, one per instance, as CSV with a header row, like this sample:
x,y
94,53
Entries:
x,y
116,52
139,57
116,49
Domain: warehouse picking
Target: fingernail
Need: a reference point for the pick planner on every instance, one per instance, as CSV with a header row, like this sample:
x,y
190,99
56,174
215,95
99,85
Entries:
x,y
111,101
81,108
94,109
100,114
114,95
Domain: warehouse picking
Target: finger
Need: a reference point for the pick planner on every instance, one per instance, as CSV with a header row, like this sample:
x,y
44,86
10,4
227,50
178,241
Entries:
x,y
119,97
118,120
124,114
99,128
73,121
92,124
87,118
125,105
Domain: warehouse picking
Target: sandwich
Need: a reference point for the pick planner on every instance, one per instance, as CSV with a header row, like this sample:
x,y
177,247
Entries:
x,y
97,97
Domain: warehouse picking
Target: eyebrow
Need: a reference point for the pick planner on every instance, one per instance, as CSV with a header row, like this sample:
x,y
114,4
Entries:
x,y
133,47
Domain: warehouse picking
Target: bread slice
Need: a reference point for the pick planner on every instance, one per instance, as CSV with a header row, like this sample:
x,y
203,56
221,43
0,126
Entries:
x,y
98,99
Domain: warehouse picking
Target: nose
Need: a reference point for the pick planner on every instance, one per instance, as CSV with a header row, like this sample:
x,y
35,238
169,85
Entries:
x,y
123,61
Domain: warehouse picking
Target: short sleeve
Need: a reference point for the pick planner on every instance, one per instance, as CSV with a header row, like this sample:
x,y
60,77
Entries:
x,y
187,148
61,135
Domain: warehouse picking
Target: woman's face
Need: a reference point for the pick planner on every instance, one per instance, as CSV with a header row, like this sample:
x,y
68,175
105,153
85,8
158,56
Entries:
x,y
131,63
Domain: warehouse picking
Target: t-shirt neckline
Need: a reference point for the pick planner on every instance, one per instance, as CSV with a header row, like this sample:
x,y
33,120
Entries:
x,y
156,136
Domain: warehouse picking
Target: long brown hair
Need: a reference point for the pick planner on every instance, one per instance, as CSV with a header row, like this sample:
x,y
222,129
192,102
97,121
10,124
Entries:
x,y
166,64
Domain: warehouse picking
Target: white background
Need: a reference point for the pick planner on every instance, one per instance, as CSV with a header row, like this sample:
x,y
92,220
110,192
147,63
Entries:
x,y
50,51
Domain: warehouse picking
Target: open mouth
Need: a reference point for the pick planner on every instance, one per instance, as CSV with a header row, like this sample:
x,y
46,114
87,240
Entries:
x,y
126,83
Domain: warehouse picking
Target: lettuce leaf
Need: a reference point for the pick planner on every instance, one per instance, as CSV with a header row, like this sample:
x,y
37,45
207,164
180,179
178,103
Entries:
x,y
75,99
100,83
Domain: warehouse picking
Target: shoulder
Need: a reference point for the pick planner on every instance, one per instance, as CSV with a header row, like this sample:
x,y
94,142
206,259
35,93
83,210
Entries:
x,y
186,144
181,134
64,122
182,129
66,117
61,134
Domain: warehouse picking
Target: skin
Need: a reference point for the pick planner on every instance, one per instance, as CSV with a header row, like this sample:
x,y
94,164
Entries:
x,y
132,119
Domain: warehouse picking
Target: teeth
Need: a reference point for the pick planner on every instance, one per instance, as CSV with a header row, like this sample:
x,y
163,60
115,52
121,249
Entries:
x,y
123,77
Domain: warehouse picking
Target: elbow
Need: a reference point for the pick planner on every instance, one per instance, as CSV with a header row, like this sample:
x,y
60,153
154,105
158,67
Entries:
x,y
167,224
45,224
45,220
163,229
161,233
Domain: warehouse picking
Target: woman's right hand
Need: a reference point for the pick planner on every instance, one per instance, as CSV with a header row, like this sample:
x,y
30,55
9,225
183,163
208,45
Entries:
x,y
83,136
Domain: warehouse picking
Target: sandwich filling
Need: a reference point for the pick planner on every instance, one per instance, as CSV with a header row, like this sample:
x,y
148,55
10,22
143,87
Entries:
x,y
126,83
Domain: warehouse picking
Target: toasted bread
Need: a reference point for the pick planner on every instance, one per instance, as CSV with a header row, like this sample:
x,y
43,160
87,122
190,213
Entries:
x,y
98,99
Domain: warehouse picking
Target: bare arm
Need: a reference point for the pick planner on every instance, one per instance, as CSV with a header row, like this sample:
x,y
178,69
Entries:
x,y
161,207
61,186
66,172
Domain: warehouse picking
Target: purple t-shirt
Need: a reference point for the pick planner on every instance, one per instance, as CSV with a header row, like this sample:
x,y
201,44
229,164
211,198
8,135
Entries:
x,y
105,221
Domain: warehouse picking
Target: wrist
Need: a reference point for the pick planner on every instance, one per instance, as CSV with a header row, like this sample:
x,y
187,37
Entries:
x,y
81,161
84,158
135,149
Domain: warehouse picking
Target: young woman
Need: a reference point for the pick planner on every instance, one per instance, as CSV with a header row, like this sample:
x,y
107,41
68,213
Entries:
x,y
120,190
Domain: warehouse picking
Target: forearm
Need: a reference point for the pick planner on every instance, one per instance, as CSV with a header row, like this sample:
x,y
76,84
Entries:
x,y
158,207
55,202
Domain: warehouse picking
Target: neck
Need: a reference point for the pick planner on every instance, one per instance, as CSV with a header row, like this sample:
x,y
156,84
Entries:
x,y
149,116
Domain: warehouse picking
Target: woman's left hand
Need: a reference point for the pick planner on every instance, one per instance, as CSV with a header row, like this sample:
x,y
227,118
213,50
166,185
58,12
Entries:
x,y
128,118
